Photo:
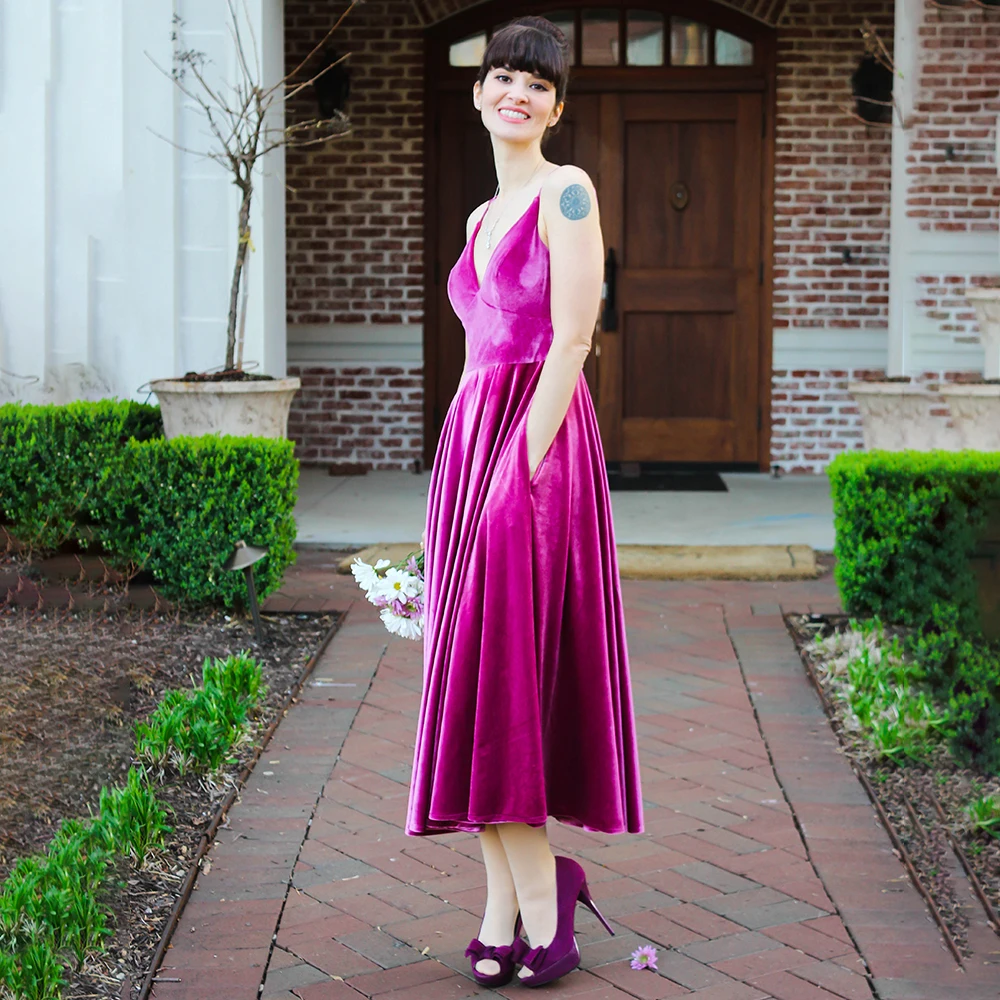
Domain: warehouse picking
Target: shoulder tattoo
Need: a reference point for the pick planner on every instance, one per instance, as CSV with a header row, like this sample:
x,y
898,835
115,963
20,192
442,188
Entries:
x,y
574,202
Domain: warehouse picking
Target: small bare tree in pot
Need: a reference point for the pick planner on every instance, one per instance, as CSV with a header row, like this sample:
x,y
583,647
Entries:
x,y
233,400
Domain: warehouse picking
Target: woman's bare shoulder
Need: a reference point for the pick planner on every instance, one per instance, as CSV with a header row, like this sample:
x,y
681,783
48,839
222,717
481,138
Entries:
x,y
565,186
477,213
566,191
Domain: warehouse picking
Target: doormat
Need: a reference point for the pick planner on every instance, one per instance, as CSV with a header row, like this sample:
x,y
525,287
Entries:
x,y
654,480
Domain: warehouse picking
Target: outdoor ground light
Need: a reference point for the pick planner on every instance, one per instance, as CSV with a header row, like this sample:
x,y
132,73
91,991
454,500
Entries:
x,y
243,557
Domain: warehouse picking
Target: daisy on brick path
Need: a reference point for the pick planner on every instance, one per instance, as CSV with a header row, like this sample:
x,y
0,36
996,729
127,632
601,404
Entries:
x,y
644,957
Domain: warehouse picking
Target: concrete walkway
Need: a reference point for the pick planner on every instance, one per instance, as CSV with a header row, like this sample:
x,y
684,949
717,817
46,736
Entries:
x,y
762,873
389,506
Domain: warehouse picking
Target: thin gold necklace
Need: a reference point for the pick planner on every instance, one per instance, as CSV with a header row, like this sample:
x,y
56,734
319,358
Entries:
x,y
489,231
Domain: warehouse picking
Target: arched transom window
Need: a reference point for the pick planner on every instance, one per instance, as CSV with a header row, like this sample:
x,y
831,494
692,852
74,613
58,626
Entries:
x,y
614,37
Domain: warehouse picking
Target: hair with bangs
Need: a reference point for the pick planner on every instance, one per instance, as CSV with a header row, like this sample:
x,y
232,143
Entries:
x,y
532,45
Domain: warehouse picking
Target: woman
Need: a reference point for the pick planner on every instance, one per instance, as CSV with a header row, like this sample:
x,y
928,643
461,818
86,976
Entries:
x,y
526,710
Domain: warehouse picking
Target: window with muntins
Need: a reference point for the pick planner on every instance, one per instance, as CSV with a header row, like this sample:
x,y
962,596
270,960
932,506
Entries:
x,y
601,36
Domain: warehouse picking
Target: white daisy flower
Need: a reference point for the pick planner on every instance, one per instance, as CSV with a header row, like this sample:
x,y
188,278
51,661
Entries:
x,y
368,576
408,628
399,583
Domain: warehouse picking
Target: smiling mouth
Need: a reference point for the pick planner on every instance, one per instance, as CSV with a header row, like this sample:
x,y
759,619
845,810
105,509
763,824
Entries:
x,y
511,115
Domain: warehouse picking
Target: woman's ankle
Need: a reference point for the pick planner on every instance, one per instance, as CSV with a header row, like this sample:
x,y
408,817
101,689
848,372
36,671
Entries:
x,y
498,919
539,912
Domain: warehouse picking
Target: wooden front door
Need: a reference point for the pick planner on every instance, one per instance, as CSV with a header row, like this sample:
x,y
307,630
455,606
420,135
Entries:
x,y
675,370
680,193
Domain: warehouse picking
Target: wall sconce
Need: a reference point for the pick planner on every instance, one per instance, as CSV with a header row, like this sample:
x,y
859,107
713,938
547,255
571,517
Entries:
x,y
333,88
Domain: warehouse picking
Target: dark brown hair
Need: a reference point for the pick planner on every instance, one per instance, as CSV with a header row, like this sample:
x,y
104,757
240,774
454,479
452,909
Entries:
x,y
532,45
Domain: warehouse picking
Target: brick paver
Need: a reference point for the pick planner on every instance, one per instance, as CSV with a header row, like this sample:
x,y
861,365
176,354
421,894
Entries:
x,y
760,875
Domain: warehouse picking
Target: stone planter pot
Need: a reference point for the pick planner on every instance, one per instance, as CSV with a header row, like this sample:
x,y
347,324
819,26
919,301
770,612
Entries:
x,y
975,409
257,407
898,416
987,305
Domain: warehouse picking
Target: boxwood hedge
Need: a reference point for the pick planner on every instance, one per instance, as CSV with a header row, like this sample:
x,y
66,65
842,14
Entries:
x,y
918,545
103,473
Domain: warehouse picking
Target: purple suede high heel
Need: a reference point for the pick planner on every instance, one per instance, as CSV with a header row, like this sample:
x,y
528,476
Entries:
x,y
502,954
562,955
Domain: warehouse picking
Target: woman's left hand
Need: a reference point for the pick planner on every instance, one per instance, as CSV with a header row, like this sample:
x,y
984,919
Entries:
x,y
533,462
535,453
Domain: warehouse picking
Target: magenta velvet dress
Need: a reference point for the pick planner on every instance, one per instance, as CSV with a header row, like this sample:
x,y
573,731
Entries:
x,y
526,709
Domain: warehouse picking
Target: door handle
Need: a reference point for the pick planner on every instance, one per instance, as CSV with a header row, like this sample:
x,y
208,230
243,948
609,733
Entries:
x,y
609,319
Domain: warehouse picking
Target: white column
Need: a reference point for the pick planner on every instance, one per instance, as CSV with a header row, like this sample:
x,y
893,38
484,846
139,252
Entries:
x,y
266,334
118,248
25,68
906,45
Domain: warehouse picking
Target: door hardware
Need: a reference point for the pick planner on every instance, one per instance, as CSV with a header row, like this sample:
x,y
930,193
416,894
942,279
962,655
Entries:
x,y
609,321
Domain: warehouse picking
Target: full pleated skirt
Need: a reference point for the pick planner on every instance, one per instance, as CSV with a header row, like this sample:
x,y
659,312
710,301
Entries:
x,y
526,708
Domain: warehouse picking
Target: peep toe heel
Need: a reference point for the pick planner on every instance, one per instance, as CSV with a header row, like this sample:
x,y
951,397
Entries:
x,y
502,954
562,955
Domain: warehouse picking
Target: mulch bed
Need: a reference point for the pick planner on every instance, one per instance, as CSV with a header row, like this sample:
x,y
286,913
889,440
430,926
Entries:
x,y
907,793
72,686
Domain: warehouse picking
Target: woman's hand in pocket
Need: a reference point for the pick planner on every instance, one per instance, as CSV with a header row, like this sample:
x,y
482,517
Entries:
x,y
535,456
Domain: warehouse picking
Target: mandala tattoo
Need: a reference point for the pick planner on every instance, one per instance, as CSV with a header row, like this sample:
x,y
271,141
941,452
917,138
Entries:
x,y
574,202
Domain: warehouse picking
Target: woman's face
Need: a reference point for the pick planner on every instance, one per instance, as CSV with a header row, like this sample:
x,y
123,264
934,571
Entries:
x,y
516,105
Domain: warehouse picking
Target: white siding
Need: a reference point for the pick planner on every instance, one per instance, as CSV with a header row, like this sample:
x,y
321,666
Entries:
x,y
117,248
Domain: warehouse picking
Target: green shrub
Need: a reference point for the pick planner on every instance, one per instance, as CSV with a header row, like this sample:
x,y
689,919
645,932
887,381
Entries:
x,y
907,524
103,473
54,461
965,673
177,508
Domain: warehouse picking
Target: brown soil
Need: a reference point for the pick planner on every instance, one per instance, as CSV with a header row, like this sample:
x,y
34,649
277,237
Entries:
x,y
72,687
231,375
908,791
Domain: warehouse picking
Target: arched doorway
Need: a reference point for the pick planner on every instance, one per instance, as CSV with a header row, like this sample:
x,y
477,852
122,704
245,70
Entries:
x,y
670,110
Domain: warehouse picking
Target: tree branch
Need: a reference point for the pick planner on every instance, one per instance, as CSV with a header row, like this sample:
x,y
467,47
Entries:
x,y
316,48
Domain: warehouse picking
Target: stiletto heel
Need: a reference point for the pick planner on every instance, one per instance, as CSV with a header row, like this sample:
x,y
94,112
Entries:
x,y
502,954
588,900
562,955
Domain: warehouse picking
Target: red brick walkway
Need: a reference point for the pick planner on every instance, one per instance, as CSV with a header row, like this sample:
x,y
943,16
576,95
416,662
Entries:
x,y
762,873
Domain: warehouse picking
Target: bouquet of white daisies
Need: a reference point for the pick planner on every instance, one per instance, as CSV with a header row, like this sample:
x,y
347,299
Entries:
x,y
398,590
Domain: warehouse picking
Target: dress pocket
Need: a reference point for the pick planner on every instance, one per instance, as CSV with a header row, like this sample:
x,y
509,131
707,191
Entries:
x,y
532,479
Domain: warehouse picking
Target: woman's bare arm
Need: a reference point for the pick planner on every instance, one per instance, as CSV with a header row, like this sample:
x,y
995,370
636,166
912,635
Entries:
x,y
576,253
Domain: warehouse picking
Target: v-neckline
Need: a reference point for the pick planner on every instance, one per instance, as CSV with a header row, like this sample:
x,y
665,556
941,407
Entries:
x,y
496,249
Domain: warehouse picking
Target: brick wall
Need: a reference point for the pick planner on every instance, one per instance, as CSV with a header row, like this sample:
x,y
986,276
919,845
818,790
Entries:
x,y
832,174
355,211
955,188
814,416
355,235
370,414
832,193
769,11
